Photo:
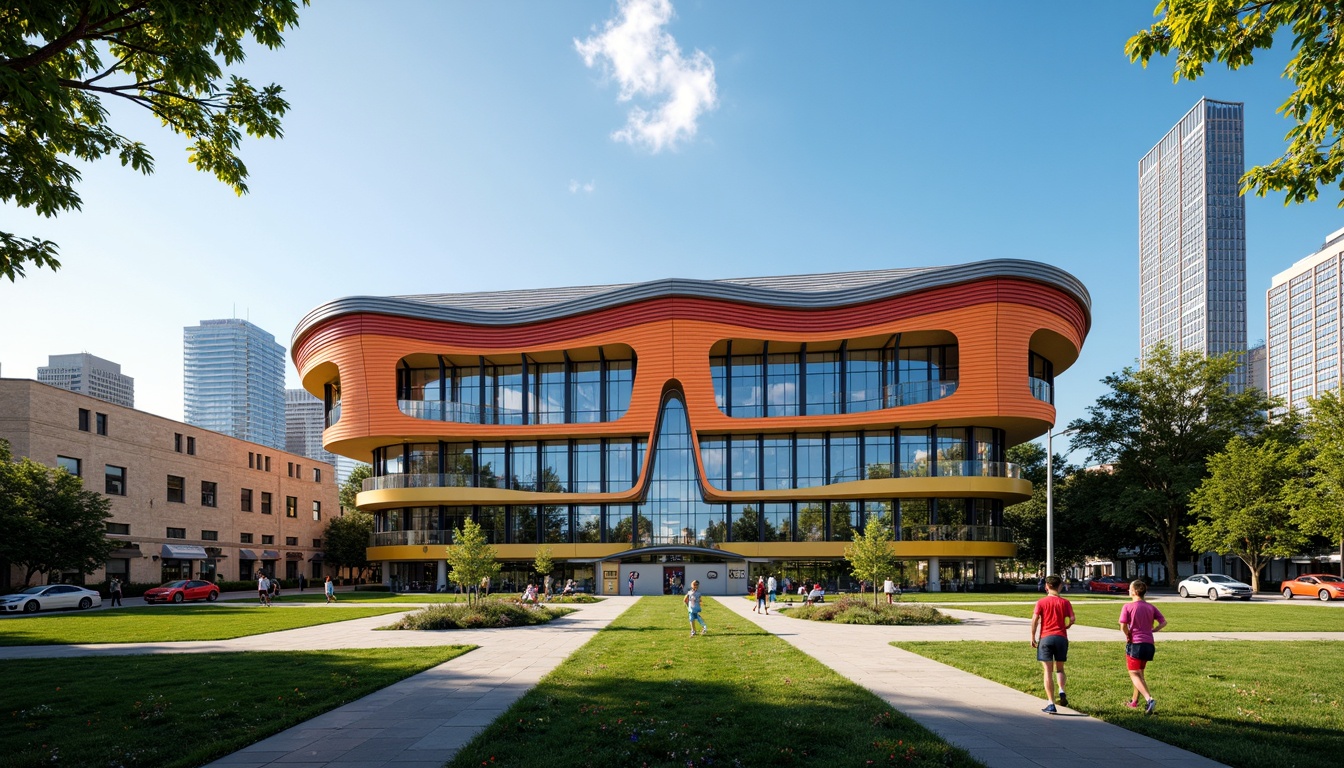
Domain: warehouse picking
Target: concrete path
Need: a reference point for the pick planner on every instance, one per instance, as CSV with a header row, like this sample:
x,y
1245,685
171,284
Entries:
x,y
998,725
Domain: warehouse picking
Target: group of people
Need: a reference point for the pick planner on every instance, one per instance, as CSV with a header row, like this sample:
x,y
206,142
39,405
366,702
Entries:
x,y
1050,622
268,589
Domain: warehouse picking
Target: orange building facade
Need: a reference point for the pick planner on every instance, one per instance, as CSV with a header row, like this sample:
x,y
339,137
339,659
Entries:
x,y
654,433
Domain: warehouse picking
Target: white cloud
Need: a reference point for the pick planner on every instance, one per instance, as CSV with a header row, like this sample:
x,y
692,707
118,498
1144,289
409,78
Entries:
x,y
647,62
575,187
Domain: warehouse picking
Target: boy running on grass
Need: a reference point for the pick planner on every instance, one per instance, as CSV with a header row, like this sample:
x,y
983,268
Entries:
x,y
1136,621
1053,615
692,601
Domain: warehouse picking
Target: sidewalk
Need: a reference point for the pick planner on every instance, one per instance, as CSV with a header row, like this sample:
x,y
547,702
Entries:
x,y
999,726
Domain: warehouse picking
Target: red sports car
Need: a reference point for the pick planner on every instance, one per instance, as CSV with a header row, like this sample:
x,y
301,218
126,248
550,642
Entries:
x,y
177,591
1321,586
1112,585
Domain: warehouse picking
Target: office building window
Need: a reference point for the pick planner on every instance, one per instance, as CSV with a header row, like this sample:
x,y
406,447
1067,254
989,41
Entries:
x,y
251,460
69,464
177,442
176,533
114,480
291,541
119,529
209,535
317,510
317,543
291,506
265,503
100,421
191,446
291,469
268,463
207,494
246,504
267,539
177,489
317,474
244,538
83,419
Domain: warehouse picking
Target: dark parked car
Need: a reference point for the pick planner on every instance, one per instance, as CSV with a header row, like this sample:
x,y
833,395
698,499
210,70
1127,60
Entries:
x,y
178,591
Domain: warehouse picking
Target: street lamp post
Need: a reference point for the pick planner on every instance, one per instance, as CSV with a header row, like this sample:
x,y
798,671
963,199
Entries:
x,y
1050,499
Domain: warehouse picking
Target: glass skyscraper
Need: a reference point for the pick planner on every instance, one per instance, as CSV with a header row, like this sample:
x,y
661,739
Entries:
x,y
234,381
1192,236
1304,320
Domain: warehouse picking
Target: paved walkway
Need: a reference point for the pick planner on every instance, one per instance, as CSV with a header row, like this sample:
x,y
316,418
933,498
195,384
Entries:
x,y
425,719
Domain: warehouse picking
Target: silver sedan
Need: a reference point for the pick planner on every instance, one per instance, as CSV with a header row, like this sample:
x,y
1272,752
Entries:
x,y
49,597
1214,586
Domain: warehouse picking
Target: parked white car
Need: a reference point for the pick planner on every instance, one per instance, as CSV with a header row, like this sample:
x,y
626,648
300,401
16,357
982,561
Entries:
x,y
1214,586
50,597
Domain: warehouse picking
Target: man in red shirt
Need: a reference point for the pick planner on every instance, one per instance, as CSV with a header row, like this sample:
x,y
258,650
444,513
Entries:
x,y
1050,622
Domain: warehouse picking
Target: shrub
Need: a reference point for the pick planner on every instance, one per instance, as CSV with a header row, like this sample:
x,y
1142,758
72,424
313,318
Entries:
x,y
486,614
854,610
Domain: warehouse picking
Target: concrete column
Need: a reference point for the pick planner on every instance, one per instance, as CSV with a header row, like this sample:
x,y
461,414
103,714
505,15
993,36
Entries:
x,y
934,584
442,580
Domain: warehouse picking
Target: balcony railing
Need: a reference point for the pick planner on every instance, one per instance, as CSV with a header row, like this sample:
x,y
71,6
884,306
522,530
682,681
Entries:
x,y
334,413
943,468
417,538
915,392
439,480
956,533
1042,390
462,413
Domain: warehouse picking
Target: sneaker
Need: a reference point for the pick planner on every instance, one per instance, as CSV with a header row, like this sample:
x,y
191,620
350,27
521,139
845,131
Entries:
x,y
1132,704
693,635
1063,699
1151,708
1049,709
705,631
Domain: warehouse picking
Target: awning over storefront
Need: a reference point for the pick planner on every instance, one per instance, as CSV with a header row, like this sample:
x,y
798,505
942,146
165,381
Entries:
x,y
293,555
183,552
270,554
246,554
317,557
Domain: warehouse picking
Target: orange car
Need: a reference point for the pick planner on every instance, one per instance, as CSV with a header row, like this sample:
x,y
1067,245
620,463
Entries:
x,y
1319,585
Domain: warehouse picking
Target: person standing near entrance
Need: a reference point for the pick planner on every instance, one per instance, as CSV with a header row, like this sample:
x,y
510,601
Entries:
x,y
1052,616
692,601
330,589
630,584
1137,621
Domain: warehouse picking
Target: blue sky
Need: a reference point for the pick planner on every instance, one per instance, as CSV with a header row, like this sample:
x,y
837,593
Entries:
x,y
469,146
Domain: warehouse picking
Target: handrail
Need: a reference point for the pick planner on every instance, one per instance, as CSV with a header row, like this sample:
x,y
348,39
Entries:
x,y
1042,390
956,533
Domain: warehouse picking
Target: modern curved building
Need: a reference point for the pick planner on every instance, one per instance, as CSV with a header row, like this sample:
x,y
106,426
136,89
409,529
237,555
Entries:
x,y
711,430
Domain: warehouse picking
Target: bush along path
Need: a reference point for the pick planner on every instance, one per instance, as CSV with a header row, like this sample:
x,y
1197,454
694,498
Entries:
x,y
644,692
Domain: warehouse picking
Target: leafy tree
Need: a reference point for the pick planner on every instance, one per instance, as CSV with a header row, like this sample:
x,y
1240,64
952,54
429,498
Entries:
x,y
1157,427
544,561
1320,495
1231,32
346,541
58,526
59,58
870,554
353,485
470,558
1243,506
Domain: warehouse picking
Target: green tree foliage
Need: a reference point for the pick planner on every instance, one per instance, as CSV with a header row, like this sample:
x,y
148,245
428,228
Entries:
x,y
60,58
1026,519
1156,427
544,561
346,541
870,555
1320,495
1201,32
353,485
51,524
1243,506
470,558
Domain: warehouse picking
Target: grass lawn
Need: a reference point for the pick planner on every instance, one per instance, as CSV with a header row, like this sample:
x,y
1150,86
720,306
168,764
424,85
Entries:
x,y
392,597
642,692
167,624
1197,616
181,709
960,597
1240,703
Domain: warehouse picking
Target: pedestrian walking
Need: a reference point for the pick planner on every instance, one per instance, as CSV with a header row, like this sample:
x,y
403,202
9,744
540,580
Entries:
x,y
1050,622
692,601
760,596
114,591
1139,619
485,586
771,586
303,582
330,588
889,587
548,583
263,588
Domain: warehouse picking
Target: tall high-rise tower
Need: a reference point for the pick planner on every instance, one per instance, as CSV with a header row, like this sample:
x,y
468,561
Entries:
x,y
234,381
1192,236
89,375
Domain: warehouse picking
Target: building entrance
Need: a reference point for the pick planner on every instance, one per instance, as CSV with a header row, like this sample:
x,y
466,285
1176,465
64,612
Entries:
x,y
674,579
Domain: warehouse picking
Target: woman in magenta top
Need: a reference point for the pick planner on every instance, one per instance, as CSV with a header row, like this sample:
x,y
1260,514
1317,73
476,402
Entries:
x,y
1139,619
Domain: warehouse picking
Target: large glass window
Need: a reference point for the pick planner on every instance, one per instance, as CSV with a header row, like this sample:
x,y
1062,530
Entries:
x,y
422,458
555,468
621,465
548,382
781,384
878,455
523,525
812,521
714,457
811,461
504,392
744,463
586,392
745,386
620,383
177,489
863,381
823,383
675,510
490,460
523,466
587,466
555,525
392,459
916,453
778,522
491,520
114,480
845,458
745,522
588,525
843,520
952,451
777,455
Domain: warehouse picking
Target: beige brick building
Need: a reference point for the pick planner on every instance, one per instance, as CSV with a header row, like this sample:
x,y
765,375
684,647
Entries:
x,y
186,501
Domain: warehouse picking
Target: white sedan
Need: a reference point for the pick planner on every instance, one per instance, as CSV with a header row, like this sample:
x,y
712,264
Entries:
x,y
1214,586
50,597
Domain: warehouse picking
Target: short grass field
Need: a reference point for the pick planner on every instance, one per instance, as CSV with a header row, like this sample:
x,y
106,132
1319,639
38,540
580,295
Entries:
x,y
644,692
168,624
1241,703
181,710
1197,616
960,597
